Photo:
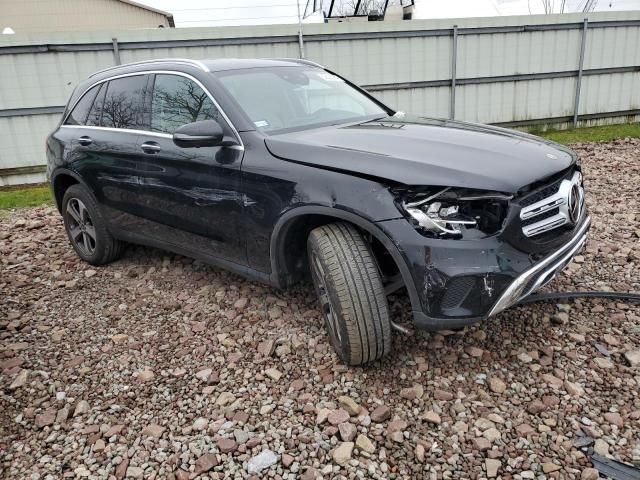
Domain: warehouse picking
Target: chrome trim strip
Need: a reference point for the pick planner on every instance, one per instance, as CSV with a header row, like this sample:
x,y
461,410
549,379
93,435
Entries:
x,y
148,72
515,291
126,130
188,61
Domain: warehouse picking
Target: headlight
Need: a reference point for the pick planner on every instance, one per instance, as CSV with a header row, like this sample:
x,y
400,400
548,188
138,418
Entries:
x,y
450,213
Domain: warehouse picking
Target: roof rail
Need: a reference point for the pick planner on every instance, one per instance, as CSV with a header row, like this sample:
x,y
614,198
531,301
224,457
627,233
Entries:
x,y
298,60
187,61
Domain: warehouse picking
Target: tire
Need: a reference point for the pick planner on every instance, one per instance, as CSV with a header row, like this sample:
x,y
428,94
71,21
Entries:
x,y
352,298
86,228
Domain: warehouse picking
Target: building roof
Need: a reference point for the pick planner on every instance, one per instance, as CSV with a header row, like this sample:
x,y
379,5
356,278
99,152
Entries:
x,y
151,9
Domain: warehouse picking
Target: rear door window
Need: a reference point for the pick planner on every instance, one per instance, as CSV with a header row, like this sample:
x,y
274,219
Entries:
x,y
78,115
123,105
178,100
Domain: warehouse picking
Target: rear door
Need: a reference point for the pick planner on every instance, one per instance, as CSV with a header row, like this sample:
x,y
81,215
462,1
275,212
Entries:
x,y
189,197
104,144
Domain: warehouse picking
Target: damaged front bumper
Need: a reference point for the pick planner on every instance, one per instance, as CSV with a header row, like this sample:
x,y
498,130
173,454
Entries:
x,y
455,283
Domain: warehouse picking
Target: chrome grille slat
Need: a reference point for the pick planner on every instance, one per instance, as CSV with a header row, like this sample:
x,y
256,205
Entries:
x,y
561,200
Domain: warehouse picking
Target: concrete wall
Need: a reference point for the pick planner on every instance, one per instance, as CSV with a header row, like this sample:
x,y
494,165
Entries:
x,y
516,71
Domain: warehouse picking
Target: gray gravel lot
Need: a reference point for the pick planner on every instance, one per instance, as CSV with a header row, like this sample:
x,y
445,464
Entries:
x,y
158,366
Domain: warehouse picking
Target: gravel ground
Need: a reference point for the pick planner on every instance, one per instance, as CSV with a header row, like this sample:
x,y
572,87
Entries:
x,y
158,366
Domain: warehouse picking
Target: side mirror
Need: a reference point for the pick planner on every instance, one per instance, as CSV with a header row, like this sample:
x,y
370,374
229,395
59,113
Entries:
x,y
207,133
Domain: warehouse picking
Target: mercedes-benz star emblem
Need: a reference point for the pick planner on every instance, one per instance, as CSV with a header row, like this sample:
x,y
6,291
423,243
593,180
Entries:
x,y
574,202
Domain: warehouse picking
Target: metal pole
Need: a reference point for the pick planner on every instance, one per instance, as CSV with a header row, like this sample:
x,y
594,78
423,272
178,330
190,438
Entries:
x,y
116,51
300,40
454,56
576,103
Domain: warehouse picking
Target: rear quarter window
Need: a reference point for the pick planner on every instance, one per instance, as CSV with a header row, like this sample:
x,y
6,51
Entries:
x,y
78,115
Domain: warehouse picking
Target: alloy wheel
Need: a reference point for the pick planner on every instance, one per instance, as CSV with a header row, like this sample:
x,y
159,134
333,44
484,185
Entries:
x,y
81,228
328,310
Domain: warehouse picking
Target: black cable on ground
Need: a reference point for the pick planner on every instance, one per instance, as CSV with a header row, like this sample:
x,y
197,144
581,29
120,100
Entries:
x,y
542,297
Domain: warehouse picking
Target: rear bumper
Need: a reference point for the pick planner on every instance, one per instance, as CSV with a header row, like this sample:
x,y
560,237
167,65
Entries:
x,y
454,283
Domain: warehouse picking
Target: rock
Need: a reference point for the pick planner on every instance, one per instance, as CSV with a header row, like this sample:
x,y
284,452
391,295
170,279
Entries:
x,y
135,472
525,358
411,393
349,404
81,408
45,419
601,447
380,414
552,380
225,398
347,431
419,452
342,453
204,374
153,430
287,460
549,467
263,460
267,348
614,418
99,446
496,385
590,474
200,424
364,444
474,352
633,357
322,415
90,273
115,430
338,416
227,445
121,469
205,463
492,466
432,417
273,373
145,376
603,363
443,395
481,444
573,388
310,474
20,380
492,434
560,318
536,407
120,338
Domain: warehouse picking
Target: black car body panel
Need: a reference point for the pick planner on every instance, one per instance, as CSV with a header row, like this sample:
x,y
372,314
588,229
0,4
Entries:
x,y
421,151
243,206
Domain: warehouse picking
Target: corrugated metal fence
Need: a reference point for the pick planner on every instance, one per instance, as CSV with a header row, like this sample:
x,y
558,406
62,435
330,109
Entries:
x,y
508,70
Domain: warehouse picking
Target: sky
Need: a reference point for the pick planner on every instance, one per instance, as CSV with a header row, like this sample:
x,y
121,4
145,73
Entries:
x,y
200,13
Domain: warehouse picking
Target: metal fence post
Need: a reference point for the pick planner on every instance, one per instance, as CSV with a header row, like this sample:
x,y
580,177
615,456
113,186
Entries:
x,y
576,103
454,56
116,51
300,38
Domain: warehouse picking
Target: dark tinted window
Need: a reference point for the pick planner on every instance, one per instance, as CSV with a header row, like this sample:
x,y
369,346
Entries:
x,y
78,115
123,106
176,101
93,119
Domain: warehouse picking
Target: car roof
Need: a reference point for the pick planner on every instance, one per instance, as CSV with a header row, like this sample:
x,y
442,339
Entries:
x,y
209,65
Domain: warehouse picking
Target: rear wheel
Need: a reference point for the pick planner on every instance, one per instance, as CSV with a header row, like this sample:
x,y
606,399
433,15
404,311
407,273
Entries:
x,y
87,229
352,298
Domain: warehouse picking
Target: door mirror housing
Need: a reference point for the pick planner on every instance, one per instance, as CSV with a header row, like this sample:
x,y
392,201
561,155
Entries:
x,y
206,133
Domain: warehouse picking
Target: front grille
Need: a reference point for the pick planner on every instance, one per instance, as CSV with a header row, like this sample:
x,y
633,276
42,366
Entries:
x,y
552,206
457,291
548,214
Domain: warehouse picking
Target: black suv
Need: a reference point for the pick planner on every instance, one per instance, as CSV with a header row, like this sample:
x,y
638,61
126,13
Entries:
x,y
279,169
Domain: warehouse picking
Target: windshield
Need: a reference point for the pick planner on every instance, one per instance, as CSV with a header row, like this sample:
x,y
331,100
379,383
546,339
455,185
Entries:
x,y
279,98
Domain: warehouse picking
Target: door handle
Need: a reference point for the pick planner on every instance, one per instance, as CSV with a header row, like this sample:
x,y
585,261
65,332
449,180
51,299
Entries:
x,y
85,141
150,147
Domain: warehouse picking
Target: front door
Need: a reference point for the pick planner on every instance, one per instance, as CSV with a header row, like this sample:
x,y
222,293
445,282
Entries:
x,y
189,198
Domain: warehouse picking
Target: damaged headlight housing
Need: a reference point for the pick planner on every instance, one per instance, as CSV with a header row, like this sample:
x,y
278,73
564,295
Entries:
x,y
453,212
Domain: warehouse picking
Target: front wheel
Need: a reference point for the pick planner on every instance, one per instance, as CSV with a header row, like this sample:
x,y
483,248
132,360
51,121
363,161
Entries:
x,y
352,298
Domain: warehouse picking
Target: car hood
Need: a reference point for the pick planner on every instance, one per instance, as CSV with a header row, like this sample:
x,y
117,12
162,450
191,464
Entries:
x,y
423,151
